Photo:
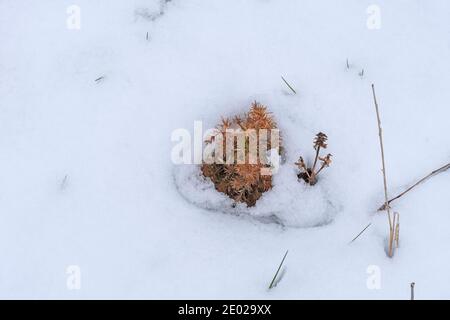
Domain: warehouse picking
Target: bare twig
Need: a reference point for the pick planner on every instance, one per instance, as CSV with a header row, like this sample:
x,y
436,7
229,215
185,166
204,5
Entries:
x,y
388,210
433,173
278,270
361,232
288,85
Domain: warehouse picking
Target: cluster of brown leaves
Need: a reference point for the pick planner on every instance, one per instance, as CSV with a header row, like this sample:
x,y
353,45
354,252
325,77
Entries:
x,y
309,174
242,182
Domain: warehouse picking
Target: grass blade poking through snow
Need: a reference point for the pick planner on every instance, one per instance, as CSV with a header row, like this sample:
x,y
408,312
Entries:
x,y
295,92
274,283
360,233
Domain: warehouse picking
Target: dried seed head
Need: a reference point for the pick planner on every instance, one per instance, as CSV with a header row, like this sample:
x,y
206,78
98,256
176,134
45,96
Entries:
x,y
326,160
301,163
242,182
259,118
320,140
238,120
226,124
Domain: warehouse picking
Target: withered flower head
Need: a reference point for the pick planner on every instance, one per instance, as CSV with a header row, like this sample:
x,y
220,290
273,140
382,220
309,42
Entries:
x,y
259,118
326,160
238,120
243,182
226,124
320,140
301,163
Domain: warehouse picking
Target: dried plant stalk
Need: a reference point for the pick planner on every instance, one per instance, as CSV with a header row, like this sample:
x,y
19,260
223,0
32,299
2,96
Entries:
x,y
397,229
309,175
380,135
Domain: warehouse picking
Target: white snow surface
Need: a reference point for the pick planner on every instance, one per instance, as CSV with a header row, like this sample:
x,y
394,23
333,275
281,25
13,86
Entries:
x,y
289,203
87,179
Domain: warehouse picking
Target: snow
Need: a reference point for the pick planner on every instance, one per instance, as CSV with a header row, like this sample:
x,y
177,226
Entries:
x,y
289,203
86,173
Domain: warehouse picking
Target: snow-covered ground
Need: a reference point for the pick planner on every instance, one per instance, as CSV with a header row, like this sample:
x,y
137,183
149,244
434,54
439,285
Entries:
x,y
88,188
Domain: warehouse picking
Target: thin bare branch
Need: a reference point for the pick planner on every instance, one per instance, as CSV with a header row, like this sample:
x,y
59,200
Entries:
x,y
433,173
